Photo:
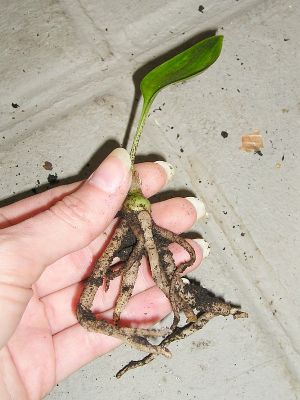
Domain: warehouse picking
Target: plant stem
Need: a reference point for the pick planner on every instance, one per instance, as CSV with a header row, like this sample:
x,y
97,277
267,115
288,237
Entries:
x,y
139,130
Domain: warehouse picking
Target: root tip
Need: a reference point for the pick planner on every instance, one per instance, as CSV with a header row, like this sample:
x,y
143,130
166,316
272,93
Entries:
x,y
166,352
236,313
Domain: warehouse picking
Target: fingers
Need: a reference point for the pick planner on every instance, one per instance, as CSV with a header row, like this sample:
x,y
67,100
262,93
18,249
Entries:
x,y
75,347
60,306
177,214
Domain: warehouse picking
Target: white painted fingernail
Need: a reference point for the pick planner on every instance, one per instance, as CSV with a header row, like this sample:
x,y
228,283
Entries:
x,y
198,205
204,246
186,281
168,168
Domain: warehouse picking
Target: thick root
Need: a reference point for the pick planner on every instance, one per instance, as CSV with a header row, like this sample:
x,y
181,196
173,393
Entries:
x,y
137,235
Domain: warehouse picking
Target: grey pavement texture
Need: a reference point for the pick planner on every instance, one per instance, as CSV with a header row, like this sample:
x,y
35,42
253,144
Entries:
x,y
69,66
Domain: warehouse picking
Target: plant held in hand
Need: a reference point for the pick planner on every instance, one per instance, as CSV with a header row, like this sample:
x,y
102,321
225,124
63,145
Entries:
x,y
137,236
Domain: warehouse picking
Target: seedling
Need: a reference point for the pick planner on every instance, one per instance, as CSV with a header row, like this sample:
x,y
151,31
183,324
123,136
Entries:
x,y
137,235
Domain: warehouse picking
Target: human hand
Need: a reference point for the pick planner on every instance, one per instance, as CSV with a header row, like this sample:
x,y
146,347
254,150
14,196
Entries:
x,y
48,245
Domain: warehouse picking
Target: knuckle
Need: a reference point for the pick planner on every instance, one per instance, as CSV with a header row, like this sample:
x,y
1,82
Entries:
x,y
72,211
4,221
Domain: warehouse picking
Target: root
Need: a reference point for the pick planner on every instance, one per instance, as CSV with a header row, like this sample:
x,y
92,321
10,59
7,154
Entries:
x,y
182,333
135,236
128,280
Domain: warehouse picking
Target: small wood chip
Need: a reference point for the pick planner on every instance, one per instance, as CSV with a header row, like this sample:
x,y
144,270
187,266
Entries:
x,y
48,166
252,142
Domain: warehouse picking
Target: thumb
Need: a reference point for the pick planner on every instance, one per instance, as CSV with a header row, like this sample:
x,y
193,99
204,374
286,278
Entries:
x,y
71,224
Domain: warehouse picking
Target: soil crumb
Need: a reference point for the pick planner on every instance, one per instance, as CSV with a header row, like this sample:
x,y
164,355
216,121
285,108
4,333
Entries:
x,y
52,179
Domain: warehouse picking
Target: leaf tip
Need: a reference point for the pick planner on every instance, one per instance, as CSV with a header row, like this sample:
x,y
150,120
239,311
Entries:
x,y
221,39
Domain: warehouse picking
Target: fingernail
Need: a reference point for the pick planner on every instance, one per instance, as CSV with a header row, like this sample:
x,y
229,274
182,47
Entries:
x,y
168,168
186,281
110,175
198,205
204,246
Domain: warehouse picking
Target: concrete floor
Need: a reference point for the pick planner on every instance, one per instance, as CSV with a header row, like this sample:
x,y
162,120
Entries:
x,y
69,66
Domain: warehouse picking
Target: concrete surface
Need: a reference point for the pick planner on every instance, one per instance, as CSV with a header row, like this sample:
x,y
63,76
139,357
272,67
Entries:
x,y
69,65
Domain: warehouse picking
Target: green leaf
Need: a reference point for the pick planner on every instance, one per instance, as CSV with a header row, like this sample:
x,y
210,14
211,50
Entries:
x,y
183,66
